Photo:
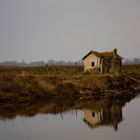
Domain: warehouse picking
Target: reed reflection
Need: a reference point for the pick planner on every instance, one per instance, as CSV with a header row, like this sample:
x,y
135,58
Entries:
x,y
97,112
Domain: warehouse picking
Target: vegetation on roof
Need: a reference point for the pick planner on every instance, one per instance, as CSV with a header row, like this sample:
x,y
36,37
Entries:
x,y
101,54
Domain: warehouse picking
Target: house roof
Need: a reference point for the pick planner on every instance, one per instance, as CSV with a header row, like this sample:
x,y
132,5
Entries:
x,y
101,54
108,123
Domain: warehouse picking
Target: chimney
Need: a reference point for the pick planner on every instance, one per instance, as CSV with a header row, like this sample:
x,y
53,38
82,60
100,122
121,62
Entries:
x,y
115,53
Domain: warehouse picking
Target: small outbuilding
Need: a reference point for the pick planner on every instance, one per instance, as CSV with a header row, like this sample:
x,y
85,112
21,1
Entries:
x,y
103,62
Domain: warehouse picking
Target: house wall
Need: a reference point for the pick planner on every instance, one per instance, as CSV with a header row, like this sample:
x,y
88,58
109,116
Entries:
x,y
110,65
116,66
88,60
93,119
105,65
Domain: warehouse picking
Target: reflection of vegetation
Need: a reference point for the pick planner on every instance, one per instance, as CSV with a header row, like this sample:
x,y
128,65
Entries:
x,y
110,106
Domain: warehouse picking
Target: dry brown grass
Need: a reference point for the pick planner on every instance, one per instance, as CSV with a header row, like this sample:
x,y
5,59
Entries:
x,y
47,87
25,84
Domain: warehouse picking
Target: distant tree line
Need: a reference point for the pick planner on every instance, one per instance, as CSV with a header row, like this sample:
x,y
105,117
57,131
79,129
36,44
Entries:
x,y
58,63
132,61
42,63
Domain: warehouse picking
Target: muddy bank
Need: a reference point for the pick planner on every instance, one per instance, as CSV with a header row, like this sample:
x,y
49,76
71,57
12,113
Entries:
x,y
109,85
28,86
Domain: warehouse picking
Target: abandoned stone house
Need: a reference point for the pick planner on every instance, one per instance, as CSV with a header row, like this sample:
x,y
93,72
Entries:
x,y
103,62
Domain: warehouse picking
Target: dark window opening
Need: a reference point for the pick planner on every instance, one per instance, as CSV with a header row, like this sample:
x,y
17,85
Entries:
x,y
92,64
93,114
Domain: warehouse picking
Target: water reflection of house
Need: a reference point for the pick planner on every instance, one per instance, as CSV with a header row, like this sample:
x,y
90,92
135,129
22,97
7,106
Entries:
x,y
103,117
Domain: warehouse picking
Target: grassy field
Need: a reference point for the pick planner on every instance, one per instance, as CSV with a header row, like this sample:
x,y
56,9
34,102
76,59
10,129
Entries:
x,y
24,84
131,69
30,83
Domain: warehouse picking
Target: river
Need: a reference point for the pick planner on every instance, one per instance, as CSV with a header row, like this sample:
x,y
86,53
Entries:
x,y
86,120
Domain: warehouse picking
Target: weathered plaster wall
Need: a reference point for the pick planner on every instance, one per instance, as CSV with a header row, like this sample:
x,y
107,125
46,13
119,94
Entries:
x,y
91,58
93,117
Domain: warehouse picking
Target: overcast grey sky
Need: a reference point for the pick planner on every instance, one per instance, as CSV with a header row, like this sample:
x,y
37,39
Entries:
x,y
68,29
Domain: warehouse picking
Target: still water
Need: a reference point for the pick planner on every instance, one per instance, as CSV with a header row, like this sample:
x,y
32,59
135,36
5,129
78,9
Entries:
x,y
88,120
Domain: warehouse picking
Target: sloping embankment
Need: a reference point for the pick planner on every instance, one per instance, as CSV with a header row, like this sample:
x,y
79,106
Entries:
x,y
19,87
